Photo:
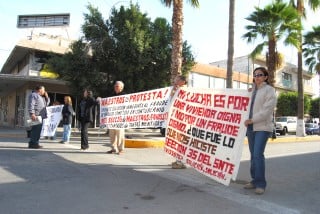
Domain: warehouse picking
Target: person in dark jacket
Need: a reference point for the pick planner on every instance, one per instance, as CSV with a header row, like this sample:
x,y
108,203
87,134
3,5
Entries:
x,y
38,101
67,113
85,116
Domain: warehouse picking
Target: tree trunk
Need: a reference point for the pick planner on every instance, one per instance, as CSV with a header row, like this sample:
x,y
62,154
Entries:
x,y
177,24
230,44
300,123
271,60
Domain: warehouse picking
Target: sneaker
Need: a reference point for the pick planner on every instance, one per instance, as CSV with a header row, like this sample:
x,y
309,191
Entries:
x,y
259,191
249,186
178,165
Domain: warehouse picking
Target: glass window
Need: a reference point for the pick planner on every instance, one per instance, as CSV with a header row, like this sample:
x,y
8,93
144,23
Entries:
x,y
286,80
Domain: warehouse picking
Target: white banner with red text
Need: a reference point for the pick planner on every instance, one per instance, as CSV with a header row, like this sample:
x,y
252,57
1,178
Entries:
x,y
205,129
146,109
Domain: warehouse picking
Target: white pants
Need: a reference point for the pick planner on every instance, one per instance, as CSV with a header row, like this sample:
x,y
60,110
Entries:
x,y
117,139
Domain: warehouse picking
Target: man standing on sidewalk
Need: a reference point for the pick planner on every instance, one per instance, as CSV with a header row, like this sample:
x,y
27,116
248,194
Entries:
x,y
38,101
117,135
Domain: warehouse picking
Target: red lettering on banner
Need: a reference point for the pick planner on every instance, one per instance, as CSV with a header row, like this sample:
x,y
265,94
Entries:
x,y
200,111
152,95
189,119
112,100
223,166
193,154
204,158
222,128
177,125
201,123
204,99
207,170
178,104
219,100
229,117
176,146
173,153
182,94
178,136
238,102
203,146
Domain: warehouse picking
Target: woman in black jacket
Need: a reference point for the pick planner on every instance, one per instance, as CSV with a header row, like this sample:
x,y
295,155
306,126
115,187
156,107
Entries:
x,y
67,113
85,116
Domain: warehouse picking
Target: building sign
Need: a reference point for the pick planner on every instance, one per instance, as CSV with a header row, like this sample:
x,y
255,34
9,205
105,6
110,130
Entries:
x,y
43,20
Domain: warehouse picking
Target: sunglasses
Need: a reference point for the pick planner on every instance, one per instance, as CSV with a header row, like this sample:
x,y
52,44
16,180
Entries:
x,y
258,75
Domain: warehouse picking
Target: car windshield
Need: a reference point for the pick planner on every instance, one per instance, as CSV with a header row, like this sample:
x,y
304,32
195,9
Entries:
x,y
281,119
308,125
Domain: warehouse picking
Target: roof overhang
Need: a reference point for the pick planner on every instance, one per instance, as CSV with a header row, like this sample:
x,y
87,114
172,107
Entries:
x,y
25,46
9,83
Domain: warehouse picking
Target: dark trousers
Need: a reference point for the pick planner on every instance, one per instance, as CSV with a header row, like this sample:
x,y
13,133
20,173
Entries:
x,y
84,134
35,134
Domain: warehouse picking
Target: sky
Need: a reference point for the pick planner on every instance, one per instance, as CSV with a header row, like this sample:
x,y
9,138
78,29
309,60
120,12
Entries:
x,y
205,28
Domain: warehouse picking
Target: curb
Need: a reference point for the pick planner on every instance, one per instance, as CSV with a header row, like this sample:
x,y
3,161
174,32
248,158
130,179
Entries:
x,y
149,143
291,139
144,143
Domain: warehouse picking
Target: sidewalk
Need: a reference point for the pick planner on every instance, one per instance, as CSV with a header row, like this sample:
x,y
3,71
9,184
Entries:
x,y
144,138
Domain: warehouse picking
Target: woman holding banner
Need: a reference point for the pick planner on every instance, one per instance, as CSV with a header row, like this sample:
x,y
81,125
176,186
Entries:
x,y
259,127
67,113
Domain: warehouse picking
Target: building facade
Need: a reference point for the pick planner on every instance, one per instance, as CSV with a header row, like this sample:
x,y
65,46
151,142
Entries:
x,y
214,75
25,69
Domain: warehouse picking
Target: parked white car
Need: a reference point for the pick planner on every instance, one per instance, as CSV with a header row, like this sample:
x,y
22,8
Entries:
x,y
286,124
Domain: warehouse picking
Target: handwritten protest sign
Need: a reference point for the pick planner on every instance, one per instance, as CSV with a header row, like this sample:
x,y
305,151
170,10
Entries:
x,y
205,130
138,110
51,123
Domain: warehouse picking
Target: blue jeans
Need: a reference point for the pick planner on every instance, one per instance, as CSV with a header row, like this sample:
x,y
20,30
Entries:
x,y
257,143
66,132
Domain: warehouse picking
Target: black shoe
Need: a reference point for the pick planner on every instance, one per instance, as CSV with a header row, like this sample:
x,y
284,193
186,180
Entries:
x,y
84,147
111,152
34,146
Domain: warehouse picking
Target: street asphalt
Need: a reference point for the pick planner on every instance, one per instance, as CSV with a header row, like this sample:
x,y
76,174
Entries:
x,y
60,178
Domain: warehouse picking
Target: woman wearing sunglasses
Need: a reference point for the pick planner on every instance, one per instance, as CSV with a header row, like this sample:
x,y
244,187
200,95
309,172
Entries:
x,y
259,127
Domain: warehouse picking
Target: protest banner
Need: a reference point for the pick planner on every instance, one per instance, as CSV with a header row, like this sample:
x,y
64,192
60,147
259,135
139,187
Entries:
x,y
52,121
206,130
146,109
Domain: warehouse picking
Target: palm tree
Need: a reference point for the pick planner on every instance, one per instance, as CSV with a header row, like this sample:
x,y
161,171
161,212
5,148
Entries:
x,y
177,41
230,43
314,4
273,23
311,50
